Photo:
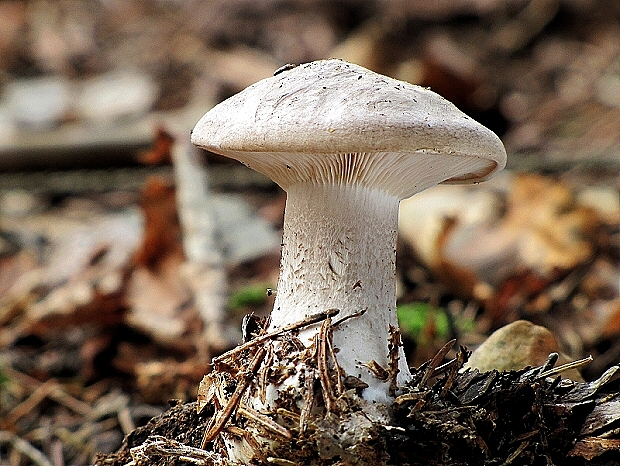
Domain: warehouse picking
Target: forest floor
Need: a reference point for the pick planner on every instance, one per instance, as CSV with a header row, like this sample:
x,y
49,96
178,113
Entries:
x,y
100,325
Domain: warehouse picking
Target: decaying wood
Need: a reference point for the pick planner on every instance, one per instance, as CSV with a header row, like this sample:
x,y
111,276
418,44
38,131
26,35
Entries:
x,y
447,416
204,267
534,418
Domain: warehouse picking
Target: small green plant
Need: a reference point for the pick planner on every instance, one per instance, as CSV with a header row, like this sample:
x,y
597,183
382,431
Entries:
x,y
4,379
248,296
415,318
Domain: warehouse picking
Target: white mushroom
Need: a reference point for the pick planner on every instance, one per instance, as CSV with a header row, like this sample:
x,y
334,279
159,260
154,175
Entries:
x,y
347,144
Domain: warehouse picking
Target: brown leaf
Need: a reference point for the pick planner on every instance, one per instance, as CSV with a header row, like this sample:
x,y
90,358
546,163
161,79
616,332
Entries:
x,y
162,231
159,153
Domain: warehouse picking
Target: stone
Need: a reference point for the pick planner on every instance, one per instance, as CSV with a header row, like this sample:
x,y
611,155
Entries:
x,y
120,94
517,346
39,103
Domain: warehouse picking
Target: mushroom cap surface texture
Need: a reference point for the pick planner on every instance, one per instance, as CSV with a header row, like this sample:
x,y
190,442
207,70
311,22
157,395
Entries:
x,y
333,121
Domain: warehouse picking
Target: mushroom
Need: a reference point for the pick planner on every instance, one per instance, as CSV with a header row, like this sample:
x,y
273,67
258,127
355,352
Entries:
x,y
347,144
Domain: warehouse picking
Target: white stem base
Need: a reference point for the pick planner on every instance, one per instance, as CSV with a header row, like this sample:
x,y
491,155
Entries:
x,y
339,251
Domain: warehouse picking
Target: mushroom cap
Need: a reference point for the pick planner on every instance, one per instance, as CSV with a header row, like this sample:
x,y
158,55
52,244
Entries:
x,y
330,120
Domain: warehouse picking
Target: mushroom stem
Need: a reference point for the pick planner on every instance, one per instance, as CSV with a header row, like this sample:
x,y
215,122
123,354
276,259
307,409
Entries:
x,y
339,251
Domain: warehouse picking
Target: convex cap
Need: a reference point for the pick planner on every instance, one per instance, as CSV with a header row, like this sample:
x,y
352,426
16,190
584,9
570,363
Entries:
x,y
333,121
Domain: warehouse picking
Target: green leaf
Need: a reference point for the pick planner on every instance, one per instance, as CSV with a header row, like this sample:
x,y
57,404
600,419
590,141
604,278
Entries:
x,y
4,379
415,317
248,296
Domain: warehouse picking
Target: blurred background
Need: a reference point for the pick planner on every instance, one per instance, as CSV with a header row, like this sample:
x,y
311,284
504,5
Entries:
x,y
128,259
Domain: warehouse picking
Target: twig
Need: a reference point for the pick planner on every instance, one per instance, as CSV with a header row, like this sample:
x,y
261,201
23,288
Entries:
x,y
281,461
564,367
294,417
304,415
266,422
26,406
25,448
57,453
160,446
322,364
310,320
515,454
50,388
454,369
81,440
411,396
263,374
393,357
350,316
244,382
337,368
21,378
435,362
125,421
61,396
444,368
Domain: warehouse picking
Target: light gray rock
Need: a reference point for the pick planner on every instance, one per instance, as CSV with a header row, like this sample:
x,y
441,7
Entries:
x,y
608,90
516,346
116,95
39,103
243,235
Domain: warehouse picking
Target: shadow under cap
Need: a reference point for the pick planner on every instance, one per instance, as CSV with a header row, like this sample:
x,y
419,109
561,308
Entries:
x,y
331,119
